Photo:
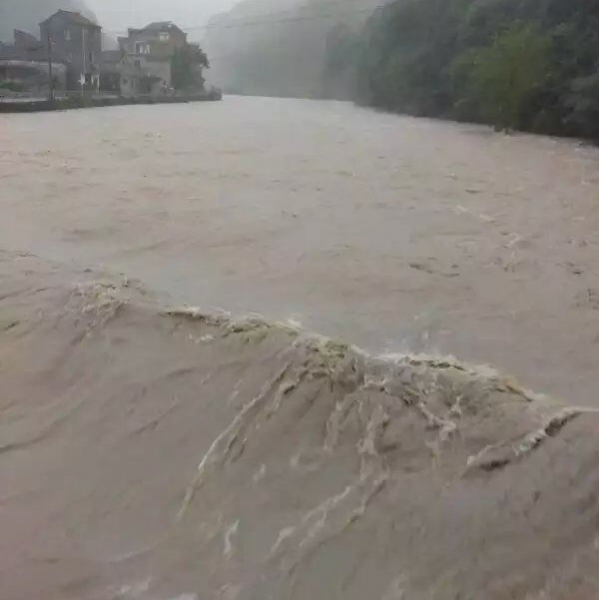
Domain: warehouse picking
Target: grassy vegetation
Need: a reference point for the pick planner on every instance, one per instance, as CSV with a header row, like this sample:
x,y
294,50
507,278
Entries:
x,y
12,86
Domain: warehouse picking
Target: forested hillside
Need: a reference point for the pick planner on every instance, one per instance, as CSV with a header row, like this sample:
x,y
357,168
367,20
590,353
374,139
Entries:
x,y
27,14
521,64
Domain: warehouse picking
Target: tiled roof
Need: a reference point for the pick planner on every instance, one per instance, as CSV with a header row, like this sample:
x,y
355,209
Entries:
x,y
160,26
76,18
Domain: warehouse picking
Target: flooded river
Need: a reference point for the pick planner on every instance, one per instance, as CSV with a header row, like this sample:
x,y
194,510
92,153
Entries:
x,y
390,232
154,447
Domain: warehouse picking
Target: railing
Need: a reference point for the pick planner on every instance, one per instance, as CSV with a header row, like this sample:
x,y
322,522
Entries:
x,y
84,94
88,94
58,94
39,101
4,93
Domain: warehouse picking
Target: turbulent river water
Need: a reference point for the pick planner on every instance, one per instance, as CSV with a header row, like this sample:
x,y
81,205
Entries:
x,y
154,446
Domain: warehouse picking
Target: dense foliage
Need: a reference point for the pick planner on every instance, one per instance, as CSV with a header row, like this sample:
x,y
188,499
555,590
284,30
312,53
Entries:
x,y
11,86
187,64
526,64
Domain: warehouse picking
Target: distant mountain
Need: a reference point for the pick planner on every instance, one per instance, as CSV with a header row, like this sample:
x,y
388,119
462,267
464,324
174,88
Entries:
x,y
281,47
27,14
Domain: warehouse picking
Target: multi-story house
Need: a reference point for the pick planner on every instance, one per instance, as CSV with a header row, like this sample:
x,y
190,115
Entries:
x,y
24,66
159,39
147,61
76,42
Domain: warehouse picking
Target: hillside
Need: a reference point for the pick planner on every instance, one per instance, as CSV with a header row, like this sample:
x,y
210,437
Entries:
x,y
264,47
27,14
516,64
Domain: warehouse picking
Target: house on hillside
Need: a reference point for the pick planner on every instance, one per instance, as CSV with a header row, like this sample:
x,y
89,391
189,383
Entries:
x,y
147,58
24,66
28,46
155,56
76,41
159,39
24,47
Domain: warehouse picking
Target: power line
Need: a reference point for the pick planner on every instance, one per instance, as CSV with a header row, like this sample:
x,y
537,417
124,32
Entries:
x,y
285,11
267,17
265,21
288,20
303,7
270,21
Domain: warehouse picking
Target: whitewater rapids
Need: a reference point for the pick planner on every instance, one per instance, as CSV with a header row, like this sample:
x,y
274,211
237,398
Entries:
x,y
159,452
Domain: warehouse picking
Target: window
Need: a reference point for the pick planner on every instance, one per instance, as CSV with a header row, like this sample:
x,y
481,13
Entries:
x,y
142,48
163,36
67,35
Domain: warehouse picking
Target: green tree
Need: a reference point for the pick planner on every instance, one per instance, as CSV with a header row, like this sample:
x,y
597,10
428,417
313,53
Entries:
x,y
409,47
504,76
187,64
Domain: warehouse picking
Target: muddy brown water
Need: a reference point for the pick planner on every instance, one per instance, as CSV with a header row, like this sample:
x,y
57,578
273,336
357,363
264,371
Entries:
x,y
154,454
390,232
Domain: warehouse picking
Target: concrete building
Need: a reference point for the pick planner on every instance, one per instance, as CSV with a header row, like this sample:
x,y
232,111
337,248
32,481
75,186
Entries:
x,y
77,43
24,66
110,71
159,39
30,76
24,47
148,52
141,76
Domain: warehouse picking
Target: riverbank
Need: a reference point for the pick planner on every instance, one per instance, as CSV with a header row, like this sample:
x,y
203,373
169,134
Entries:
x,y
21,106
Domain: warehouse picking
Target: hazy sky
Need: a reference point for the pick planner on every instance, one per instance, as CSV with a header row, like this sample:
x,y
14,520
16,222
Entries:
x,y
117,15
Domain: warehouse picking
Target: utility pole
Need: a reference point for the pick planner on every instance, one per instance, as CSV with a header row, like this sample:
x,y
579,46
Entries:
x,y
50,70
83,77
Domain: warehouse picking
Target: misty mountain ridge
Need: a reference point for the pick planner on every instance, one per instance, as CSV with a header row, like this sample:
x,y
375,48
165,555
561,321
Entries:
x,y
27,14
279,47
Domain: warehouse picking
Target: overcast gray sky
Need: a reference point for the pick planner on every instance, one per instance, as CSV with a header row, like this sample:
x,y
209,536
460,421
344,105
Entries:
x,y
117,15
